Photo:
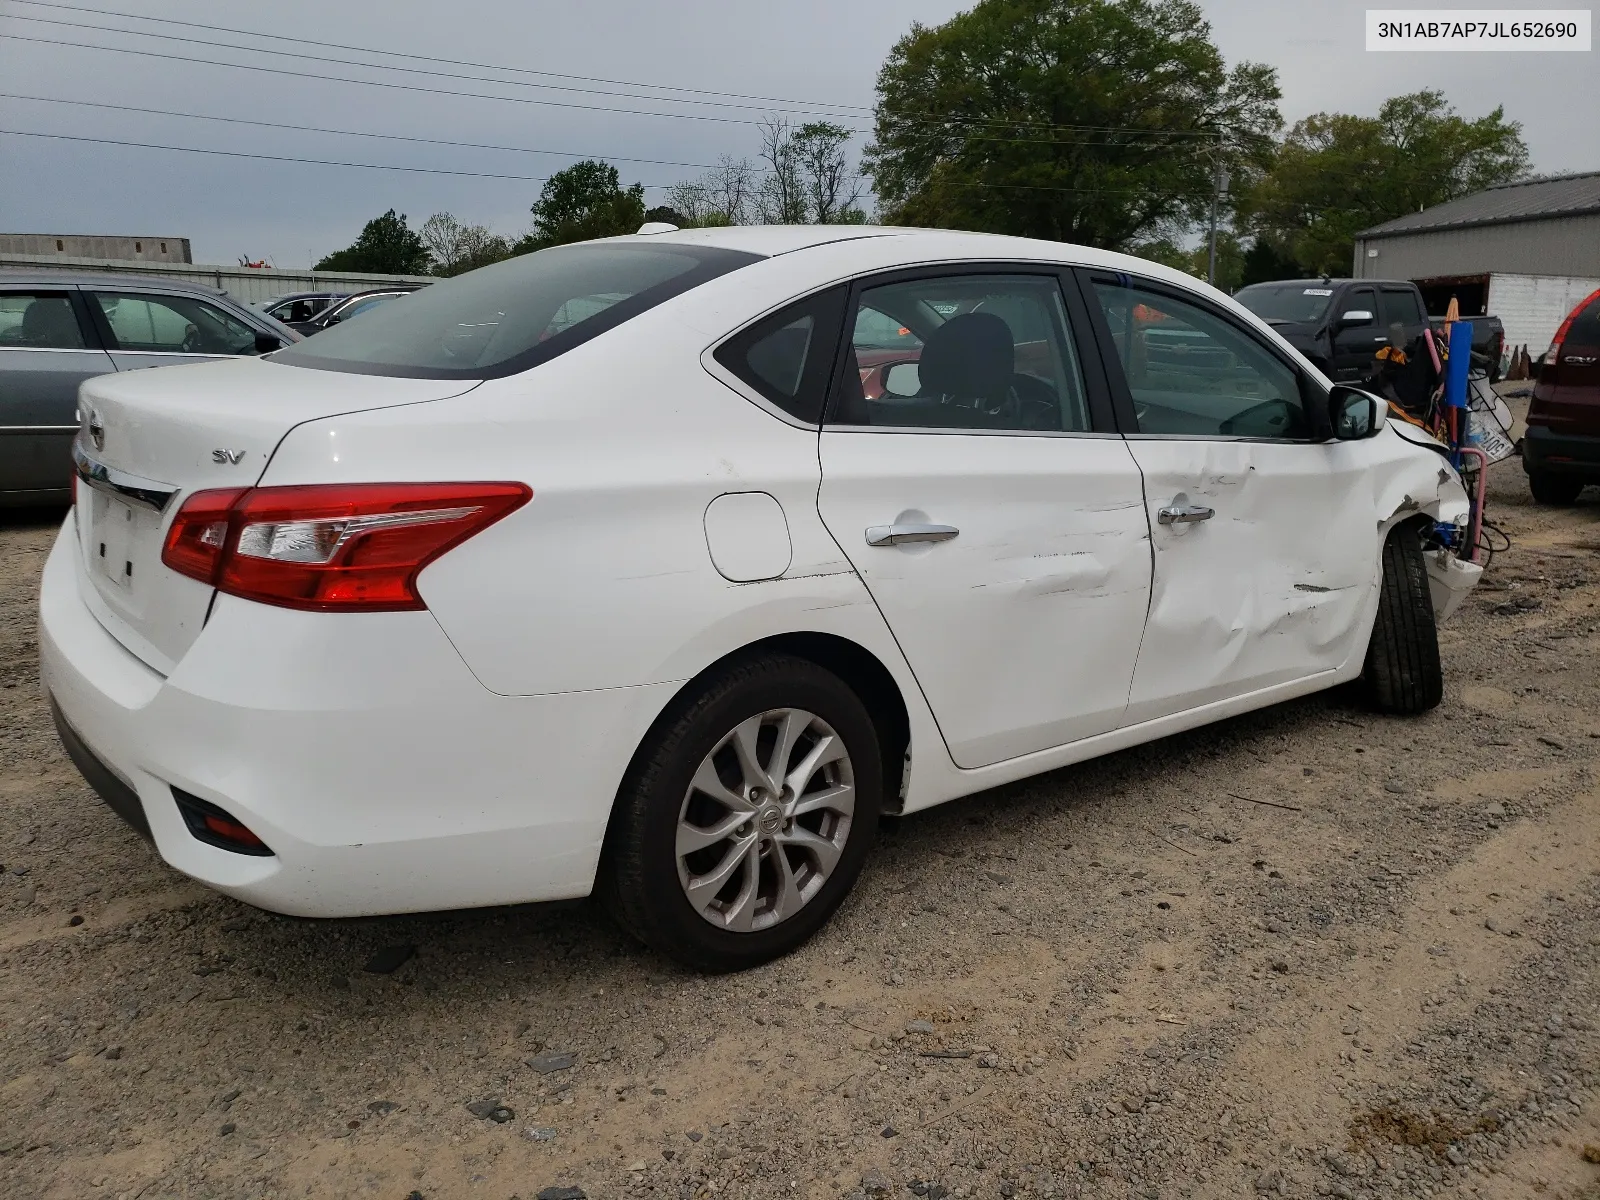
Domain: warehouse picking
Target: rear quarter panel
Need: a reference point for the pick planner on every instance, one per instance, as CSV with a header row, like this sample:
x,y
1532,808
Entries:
x,y
604,579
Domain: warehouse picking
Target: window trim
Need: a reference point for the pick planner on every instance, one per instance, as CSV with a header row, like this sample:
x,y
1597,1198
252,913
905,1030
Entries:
x,y
88,330
89,294
1413,303
1312,395
1097,396
725,375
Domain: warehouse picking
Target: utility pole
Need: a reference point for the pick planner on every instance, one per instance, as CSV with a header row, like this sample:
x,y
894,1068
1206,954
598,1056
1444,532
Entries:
x,y
1221,184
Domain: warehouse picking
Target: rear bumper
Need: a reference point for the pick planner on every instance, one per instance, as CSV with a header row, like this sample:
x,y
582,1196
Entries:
x,y
1551,453
359,747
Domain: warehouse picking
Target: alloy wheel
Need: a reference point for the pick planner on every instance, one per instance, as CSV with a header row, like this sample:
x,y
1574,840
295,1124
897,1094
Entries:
x,y
765,819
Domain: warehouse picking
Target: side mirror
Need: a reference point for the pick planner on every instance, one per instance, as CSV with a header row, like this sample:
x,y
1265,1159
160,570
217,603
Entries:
x,y
901,379
266,343
1355,414
1356,316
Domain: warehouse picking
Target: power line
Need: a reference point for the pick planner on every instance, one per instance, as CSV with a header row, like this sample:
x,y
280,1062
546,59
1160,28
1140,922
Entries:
x,y
350,62
392,137
454,62
286,158
413,87
861,112
404,87
324,162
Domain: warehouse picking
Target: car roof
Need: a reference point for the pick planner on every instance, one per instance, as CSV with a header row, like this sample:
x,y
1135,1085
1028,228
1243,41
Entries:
x,y
103,279
917,245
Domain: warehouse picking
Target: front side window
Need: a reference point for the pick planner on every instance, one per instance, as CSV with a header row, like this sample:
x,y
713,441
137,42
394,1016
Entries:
x,y
1193,373
172,324
39,320
981,352
787,357
302,309
1359,300
505,318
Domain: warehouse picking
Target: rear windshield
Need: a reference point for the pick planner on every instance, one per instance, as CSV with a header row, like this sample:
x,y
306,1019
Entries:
x,y
1286,301
505,318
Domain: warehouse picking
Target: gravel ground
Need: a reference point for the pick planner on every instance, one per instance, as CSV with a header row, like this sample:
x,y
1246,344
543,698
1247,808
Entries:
x,y
1306,952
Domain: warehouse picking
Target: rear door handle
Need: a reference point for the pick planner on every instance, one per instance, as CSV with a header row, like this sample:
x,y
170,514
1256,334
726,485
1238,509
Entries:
x,y
1184,514
900,535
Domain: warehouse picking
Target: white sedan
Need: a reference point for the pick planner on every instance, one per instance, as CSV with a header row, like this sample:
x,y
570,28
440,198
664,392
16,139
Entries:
x,y
661,566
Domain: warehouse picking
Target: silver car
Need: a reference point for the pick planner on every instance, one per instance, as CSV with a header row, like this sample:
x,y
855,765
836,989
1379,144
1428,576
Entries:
x,y
59,328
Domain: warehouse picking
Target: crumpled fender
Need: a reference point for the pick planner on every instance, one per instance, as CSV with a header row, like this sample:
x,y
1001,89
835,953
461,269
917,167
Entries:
x,y
1420,482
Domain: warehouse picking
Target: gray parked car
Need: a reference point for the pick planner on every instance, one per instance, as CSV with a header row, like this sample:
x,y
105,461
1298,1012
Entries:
x,y
59,328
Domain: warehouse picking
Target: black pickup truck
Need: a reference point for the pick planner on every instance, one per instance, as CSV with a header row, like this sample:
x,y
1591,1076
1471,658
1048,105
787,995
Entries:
x,y
1339,324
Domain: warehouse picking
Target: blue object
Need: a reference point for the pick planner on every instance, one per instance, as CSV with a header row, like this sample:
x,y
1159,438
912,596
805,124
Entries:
x,y
1455,371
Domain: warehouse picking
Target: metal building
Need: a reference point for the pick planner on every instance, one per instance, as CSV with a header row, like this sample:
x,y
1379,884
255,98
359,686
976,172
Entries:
x,y
1526,252
93,245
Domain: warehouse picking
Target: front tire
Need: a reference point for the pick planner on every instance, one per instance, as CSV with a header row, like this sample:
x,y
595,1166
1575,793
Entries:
x,y
746,816
1402,673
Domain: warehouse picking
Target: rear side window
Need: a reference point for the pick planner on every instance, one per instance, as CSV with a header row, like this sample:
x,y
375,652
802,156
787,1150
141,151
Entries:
x,y
505,318
1399,307
38,321
788,356
172,324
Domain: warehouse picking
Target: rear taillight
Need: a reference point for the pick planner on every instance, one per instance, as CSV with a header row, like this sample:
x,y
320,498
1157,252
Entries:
x,y
339,547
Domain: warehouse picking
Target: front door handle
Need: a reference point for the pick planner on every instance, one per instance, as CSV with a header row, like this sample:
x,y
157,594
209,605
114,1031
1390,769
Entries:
x,y
900,535
1184,514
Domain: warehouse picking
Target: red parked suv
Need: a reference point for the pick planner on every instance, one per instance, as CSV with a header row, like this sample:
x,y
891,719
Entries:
x,y
1561,450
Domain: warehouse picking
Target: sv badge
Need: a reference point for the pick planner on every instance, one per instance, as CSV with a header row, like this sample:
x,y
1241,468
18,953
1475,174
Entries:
x,y
231,457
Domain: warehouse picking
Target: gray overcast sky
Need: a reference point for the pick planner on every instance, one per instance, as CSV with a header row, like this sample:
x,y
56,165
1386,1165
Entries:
x,y
825,50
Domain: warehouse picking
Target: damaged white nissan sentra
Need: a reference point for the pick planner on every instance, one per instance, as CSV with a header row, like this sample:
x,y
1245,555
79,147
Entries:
x,y
661,566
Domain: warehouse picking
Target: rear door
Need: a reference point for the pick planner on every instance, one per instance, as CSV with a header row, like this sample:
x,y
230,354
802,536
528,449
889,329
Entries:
x,y
984,498
1576,393
1401,306
1262,530
161,329
47,348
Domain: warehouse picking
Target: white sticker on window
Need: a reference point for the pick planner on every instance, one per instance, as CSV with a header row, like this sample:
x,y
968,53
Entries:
x,y
1318,292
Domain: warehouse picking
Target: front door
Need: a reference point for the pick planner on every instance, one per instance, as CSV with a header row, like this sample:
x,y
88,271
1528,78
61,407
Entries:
x,y
970,474
1263,535
1356,341
47,348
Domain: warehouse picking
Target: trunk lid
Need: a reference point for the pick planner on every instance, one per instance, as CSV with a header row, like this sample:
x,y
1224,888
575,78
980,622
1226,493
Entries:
x,y
151,438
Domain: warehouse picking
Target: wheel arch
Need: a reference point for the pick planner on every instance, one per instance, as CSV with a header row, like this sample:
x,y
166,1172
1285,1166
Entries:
x,y
860,669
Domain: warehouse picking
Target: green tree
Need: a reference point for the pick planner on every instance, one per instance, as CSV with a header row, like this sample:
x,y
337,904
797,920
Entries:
x,y
1094,121
387,246
583,201
1337,174
1197,259
1265,261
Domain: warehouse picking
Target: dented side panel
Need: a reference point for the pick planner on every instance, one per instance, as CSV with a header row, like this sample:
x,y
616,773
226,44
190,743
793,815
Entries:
x,y
1281,583
1023,628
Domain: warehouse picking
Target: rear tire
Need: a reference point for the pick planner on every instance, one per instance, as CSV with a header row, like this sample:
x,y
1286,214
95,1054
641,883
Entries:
x,y
1554,489
697,797
1402,673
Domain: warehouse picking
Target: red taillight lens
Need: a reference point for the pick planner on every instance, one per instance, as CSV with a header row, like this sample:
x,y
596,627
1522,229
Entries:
x,y
198,533
342,547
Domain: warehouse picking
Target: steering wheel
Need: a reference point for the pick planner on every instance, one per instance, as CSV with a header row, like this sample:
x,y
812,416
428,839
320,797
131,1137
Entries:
x,y
1036,403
